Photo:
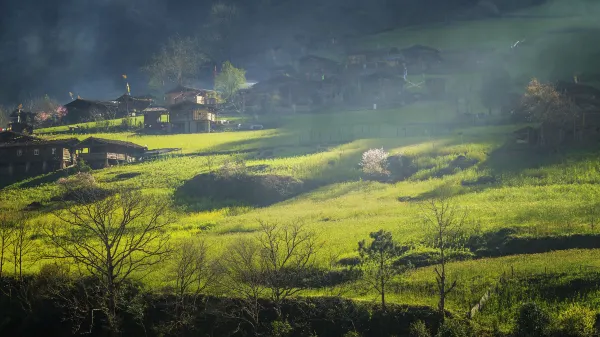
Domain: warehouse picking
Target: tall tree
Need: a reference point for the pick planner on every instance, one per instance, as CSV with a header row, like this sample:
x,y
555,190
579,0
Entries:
x,y
443,219
377,261
113,239
178,61
7,228
229,82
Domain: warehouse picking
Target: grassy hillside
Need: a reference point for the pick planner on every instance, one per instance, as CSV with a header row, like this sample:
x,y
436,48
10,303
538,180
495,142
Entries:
x,y
547,203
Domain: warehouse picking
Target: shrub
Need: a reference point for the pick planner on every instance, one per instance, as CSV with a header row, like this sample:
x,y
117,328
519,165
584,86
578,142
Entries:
x,y
454,328
532,321
232,168
352,334
419,329
374,162
281,328
81,180
576,321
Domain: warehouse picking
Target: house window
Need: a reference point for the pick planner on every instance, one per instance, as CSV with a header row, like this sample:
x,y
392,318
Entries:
x,y
19,153
53,150
36,152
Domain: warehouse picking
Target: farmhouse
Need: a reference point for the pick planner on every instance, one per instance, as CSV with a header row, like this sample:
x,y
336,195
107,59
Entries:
x,y
314,68
99,152
190,117
83,110
188,94
23,155
156,118
21,121
128,104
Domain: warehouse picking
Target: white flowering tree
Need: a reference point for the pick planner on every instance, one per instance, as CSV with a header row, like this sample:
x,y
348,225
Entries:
x,y
375,162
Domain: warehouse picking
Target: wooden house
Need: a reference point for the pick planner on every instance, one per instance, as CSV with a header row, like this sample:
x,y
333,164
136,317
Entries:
x,y
281,94
156,118
194,95
99,152
128,105
314,68
22,155
21,121
190,117
83,110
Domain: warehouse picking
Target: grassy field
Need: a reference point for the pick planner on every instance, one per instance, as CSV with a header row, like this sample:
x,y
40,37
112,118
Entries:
x,y
533,193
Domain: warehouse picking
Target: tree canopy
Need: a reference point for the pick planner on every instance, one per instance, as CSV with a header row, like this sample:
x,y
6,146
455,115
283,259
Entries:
x,y
230,80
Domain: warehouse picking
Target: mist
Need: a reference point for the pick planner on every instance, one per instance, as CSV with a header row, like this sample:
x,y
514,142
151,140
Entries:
x,y
84,46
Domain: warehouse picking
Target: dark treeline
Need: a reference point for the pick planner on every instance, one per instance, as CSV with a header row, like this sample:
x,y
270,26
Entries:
x,y
50,47
50,305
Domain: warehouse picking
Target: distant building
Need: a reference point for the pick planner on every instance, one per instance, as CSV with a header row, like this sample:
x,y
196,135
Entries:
x,y
128,104
156,118
83,110
315,68
99,152
22,155
21,121
194,95
190,117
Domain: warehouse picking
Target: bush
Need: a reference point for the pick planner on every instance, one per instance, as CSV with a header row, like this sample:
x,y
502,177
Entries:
x,y
81,180
454,328
231,169
374,162
532,321
419,329
281,328
576,321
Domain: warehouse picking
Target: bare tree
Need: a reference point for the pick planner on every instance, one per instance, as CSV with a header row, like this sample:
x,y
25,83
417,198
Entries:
x,y
7,227
192,274
23,243
377,262
443,219
113,240
272,265
240,275
287,256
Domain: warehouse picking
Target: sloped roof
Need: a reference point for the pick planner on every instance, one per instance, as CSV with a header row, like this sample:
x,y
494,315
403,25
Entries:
x,y
187,104
155,109
80,101
11,136
88,141
34,141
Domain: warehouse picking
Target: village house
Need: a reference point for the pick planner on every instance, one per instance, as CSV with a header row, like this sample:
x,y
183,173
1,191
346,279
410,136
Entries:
x,y
188,94
22,155
190,117
314,68
130,105
156,118
99,152
284,94
83,110
21,121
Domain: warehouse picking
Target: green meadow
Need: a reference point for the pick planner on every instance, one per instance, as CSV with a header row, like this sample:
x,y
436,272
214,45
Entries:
x,y
532,193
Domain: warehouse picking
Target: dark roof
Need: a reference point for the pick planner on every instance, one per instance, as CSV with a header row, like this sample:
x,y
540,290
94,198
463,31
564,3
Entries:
x,y
11,136
81,101
181,88
155,109
134,98
38,141
85,142
16,113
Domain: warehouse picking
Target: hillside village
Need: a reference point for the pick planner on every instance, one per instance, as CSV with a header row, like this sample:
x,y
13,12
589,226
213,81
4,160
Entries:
x,y
433,180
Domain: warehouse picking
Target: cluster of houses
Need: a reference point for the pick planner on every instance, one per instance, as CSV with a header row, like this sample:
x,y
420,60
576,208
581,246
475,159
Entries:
x,y
363,79
24,155
186,110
